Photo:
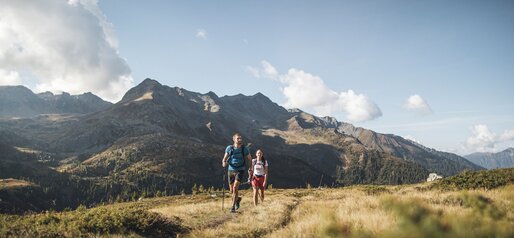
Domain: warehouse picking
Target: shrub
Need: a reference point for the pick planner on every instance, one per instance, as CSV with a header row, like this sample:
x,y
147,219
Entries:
x,y
91,222
481,205
416,220
486,179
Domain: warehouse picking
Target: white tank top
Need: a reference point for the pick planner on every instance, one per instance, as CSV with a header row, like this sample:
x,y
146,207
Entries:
x,y
258,167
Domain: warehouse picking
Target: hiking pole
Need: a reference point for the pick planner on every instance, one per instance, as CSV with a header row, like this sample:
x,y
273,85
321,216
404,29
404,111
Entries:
x,y
223,189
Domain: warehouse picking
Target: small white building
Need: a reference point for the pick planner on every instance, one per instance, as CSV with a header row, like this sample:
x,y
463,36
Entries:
x,y
433,177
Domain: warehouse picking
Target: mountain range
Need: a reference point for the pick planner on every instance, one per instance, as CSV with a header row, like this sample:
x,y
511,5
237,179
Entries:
x,y
502,159
19,101
161,139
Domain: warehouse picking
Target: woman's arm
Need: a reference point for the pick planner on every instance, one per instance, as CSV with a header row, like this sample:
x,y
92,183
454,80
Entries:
x,y
265,175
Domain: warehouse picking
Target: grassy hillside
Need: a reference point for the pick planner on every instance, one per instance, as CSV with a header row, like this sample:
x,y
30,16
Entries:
x,y
421,210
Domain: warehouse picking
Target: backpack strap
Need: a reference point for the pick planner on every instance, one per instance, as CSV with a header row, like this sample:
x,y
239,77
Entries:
x,y
243,153
232,148
230,154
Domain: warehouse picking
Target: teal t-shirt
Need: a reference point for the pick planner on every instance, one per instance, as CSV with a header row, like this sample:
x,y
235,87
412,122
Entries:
x,y
236,162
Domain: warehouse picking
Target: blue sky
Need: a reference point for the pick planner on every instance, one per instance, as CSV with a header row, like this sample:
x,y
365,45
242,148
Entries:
x,y
359,61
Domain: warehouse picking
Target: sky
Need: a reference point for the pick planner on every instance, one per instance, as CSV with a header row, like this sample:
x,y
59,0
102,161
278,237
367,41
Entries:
x,y
440,73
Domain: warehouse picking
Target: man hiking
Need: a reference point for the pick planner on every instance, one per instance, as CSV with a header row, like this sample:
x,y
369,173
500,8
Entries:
x,y
235,157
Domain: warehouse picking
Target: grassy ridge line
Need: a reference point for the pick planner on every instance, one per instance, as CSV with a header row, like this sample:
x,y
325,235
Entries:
x,y
356,211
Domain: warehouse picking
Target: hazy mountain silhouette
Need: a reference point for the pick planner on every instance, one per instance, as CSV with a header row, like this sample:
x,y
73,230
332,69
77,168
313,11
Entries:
x,y
19,101
503,159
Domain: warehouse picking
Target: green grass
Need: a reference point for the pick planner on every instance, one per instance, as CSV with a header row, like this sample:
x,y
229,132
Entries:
x,y
126,221
485,179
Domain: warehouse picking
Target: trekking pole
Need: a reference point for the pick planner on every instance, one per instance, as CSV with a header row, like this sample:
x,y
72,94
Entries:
x,y
223,189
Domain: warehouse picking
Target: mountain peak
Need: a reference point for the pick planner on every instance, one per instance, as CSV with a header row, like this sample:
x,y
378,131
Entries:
x,y
143,90
212,95
259,95
149,82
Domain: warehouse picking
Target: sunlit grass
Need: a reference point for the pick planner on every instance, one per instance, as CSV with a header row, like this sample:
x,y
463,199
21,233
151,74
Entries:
x,y
253,221
336,209
356,211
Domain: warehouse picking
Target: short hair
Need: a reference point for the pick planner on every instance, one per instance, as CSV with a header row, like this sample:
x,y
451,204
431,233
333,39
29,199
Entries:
x,y
236,134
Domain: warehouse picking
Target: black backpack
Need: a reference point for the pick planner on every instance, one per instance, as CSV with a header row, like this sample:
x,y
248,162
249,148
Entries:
x,y
231,157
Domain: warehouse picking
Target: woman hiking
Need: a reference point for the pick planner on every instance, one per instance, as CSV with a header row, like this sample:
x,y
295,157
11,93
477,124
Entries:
x,y
259,177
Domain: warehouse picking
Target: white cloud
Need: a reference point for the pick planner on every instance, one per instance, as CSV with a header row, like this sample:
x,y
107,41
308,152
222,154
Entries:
x,y
9,77
304,90
253,71
268,70
65,46
507,135
483,140
418,104
201,33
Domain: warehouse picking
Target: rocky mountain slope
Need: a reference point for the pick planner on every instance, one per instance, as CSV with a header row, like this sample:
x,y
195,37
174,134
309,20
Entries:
x,y
502,159
433,160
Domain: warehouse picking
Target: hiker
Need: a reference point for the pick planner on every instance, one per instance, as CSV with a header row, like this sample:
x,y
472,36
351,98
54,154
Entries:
x,y
259,176
235,157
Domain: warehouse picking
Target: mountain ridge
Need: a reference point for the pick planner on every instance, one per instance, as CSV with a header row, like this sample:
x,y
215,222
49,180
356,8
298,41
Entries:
x,y
502,159
161,138
19,101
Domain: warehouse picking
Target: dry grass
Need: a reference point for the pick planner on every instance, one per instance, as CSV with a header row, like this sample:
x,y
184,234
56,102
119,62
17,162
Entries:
x,y
357,211
11,183
208,220
344,209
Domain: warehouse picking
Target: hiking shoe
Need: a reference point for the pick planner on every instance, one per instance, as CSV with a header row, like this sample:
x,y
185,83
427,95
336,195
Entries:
x,y
233,209
238,201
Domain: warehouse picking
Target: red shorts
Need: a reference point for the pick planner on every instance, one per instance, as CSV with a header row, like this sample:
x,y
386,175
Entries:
x,y
258,182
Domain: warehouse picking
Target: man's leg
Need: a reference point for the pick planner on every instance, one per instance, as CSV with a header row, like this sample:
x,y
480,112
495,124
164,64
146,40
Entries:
x,y
231,178
235,193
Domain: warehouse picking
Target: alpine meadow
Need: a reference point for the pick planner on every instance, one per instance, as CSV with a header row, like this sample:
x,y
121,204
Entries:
x,y
346,118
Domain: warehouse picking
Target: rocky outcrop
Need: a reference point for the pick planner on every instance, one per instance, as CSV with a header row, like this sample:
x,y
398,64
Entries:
x,y
433,177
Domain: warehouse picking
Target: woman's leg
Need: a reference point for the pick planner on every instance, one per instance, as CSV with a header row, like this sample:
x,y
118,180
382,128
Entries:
x,y
262,194
255,194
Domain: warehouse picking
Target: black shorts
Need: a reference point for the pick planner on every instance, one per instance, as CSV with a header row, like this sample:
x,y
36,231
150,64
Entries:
x,y
235,175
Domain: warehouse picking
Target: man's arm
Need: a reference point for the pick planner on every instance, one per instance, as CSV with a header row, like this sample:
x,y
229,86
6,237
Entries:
x,y
250,170
249,158
224,160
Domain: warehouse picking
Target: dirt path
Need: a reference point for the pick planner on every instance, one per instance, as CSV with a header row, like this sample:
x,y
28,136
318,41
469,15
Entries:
x,y
206,219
